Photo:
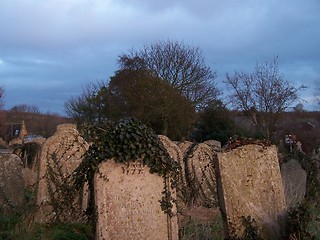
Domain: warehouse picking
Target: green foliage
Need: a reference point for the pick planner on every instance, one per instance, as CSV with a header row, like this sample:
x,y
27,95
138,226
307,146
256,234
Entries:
x,y
251,229
7,223
250,232
214,124
62,196
137,92
299,218
15,227
127,140
199,230
22,226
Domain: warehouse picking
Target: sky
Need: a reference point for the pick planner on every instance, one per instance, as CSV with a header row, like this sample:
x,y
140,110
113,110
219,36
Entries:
x,y
51,50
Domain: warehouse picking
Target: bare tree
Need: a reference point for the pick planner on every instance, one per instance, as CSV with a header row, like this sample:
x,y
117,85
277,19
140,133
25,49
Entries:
x,y
25,108
263,95
183,67
90,106
1,97
2,113
317,91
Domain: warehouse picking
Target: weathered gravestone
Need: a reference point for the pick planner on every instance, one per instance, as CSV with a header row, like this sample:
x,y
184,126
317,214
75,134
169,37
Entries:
x,y
251,186
60,155
215,145
127,201
11,183
184,146
176,154
294,180
3,143
200,175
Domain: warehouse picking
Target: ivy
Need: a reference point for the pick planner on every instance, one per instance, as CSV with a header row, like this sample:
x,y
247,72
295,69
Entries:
x,y
300,217
125,141
251,231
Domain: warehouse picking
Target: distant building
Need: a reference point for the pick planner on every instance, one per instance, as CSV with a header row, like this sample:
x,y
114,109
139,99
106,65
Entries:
x,y
15,131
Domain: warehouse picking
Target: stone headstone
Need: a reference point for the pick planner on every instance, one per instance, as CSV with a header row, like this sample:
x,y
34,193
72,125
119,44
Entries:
x,y
215,145
63,152
176,154
250,185
15,141
184,146
294,180
299,146
11,183
127,201
200,175
3,143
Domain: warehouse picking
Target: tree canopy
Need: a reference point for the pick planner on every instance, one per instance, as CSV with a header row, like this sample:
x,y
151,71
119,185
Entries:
x,y
214,123
25,108
137,92
183,67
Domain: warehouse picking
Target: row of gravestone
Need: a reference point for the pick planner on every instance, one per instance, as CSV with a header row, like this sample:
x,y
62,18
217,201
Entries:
x,y
247,181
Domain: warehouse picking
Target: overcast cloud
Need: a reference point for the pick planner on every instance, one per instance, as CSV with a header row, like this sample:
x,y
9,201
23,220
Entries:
x,y
49,50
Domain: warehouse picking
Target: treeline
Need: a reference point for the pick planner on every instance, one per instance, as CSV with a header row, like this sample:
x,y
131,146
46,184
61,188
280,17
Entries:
x,y
169,87
37,123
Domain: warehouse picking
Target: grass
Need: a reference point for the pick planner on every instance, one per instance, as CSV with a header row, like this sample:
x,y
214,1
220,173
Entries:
x,y
195,230
314,224
14,227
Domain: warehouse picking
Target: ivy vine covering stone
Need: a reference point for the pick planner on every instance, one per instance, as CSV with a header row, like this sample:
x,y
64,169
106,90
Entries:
x,y
125,141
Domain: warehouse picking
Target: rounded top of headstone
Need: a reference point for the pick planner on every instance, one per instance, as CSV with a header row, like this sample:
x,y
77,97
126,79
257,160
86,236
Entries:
x,y
184,146
215,145
292,163
2,142
10,157
66,126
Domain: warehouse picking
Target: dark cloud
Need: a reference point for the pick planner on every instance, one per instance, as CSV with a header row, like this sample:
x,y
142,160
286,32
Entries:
x,y
49,50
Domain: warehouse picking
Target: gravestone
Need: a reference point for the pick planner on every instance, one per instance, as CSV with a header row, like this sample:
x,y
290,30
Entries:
x,y
250,185
59,157
294,181
127,201
176,154
15,141
184,146
215,145
11,183
3,143
200,175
